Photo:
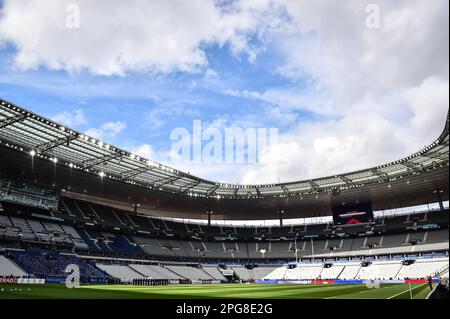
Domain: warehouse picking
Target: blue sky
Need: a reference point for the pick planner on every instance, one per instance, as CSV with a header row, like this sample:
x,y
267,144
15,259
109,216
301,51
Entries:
x,y
152,105
342,96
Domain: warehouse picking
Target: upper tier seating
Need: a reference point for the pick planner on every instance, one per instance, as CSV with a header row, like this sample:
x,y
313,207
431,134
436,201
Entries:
x,y
104,215
198,241
31,230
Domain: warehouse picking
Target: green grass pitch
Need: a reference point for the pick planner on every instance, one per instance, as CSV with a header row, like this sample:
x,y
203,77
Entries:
x,y
225,291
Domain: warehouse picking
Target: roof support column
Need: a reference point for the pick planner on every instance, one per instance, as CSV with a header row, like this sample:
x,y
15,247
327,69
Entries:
x,y
439,193
280,215
210,213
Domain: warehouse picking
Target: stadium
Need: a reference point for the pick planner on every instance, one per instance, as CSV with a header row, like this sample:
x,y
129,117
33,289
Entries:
x,y
76,209
220,158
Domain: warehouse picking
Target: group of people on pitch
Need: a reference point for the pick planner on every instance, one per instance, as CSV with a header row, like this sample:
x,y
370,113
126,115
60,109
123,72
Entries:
x,y
150,282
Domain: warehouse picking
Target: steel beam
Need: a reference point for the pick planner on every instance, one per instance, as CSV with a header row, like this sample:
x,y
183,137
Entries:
x,y
135,172
164,181
11,120
100,160
45,147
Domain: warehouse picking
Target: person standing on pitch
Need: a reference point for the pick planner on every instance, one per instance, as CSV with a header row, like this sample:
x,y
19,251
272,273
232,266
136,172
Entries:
x,y
430,282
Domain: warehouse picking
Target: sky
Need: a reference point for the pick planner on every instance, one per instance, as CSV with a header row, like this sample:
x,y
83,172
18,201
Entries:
x,y
348,85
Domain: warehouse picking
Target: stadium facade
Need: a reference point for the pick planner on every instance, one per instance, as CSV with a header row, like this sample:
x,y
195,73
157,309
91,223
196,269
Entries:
x,y
66,198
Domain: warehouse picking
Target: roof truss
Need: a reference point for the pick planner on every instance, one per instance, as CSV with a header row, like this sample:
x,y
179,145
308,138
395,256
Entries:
x,y
135,172
345,179
11,120
166,180
45,147
413,166
100,160
45,135
213,189
315,187
188,187
382,175
285,190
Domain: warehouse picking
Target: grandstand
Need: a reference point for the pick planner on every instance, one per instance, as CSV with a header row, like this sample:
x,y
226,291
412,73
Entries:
x,y
376,270
125,220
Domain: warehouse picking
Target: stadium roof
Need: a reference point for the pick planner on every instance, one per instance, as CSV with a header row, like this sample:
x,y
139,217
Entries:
x,y
42,137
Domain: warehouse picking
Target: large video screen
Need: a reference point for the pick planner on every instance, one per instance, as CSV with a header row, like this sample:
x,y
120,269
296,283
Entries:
x,y
353,214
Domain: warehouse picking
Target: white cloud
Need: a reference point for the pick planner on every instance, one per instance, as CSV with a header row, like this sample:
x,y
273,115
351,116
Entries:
x,y
168,110
145,151
328,148
385,89
374,95
71,119
109,129
352,63
429,102
116,37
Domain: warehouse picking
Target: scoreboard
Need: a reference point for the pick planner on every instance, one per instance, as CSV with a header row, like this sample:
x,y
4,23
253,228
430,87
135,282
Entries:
x,y
353,214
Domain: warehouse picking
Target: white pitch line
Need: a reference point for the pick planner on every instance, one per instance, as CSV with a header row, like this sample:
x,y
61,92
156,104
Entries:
x,y
432,291
399,294
360,292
